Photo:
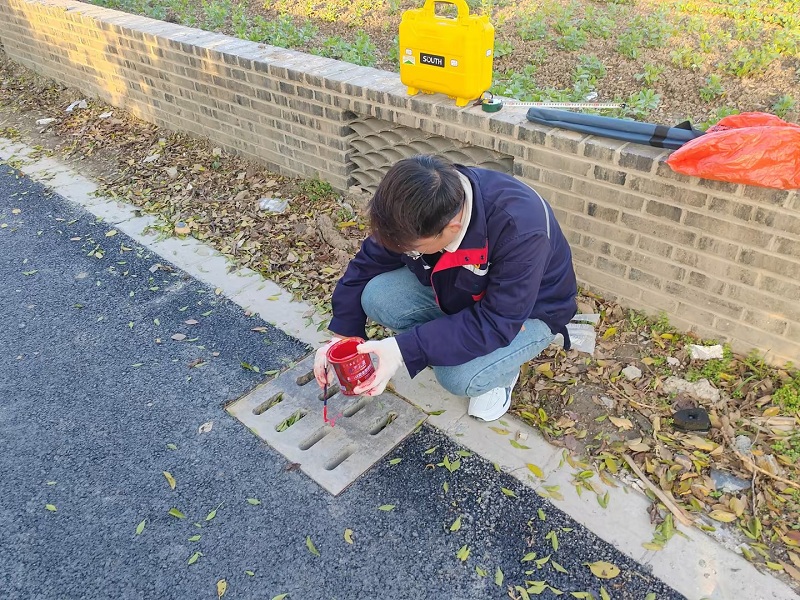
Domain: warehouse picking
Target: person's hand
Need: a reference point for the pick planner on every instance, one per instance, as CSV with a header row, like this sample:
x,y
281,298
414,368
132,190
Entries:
x,y
322,371
389,360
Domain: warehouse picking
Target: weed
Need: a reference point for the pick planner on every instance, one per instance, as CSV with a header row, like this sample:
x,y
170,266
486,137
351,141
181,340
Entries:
x,y
715,369
571,39
745,62
281,32
636,320
686,58
316,189
589,69
655,28
783,105
642,103
717,115
662,324
629,43
788,395
394,51
532,27
789,447
748,31
598,25
712,89
394,6
650,75
215,14
503,48
360,52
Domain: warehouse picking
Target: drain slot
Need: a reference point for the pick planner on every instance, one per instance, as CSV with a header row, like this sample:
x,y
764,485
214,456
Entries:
x,y
314,438
304,379
266,405
290,420
339,458
383,423
332,391
351,410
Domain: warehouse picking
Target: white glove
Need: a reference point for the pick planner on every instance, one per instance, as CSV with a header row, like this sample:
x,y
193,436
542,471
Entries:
x,y
389,360
322,371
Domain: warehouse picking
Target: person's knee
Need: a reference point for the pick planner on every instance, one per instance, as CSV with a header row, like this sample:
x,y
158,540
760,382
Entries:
x,y
371,298
452,380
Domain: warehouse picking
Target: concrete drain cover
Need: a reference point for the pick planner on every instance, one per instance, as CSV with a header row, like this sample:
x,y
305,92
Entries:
x,y
287,414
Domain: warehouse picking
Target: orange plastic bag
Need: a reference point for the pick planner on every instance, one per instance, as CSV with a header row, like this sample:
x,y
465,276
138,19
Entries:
x,y
750,148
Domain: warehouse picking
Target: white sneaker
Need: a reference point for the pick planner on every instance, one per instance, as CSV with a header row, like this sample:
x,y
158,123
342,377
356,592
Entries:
x,y
493,404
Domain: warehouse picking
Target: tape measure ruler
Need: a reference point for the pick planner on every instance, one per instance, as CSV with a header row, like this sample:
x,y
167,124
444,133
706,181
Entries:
x,y
489,103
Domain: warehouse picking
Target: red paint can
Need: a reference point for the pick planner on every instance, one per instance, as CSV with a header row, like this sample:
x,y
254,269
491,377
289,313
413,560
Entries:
x,y
351,368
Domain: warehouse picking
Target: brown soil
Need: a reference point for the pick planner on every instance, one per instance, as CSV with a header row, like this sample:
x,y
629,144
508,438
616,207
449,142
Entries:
x,y
553,67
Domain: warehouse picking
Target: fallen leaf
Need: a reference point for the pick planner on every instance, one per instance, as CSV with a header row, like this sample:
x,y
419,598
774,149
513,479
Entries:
x,y
311,547
222,587
536,470
249,572
623,424
191,322
176,513
722,515
529,557
456,524
508,492
111,233
178,337
170,479
516,444
212,514
195,538
51,507
463,553
140,527
603,569
500,430
280,597
253,501
558,567
386,507
498,576
395,461
348,536
609,332
194,558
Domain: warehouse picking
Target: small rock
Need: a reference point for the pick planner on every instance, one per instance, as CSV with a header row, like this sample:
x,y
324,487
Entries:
x,y
632,372
152,158
730,484
521,436
172,172
702,389
691,419
743,444
673,362
607,402
705,352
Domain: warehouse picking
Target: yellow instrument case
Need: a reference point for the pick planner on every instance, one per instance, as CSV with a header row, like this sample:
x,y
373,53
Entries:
x,y
451,56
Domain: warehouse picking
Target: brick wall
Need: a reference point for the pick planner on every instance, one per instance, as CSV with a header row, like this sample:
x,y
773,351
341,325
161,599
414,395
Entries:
x,y
720,259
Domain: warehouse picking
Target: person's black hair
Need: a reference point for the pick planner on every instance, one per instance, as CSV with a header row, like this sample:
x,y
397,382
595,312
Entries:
x,y
416,199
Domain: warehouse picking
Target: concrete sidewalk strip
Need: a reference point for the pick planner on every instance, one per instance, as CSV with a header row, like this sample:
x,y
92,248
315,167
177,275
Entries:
x,y
364,431
696,566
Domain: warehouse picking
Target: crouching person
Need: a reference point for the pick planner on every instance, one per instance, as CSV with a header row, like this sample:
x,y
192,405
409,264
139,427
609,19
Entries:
x,y
471,271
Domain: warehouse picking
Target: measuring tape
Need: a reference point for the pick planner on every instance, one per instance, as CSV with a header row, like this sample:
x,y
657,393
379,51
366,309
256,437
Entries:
x,y
489,103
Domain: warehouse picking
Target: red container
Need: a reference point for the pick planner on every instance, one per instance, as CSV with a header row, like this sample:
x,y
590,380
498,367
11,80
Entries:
x,y
351,368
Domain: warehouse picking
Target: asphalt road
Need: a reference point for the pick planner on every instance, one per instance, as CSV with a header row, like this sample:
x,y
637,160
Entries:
x,y
97,401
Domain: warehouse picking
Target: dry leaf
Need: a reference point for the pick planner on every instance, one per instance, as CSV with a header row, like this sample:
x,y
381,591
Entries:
x,y
722,515
170,479
603,569
222,587
623,424
348,536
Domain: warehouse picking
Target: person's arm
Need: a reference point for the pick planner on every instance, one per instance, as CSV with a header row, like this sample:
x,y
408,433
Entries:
x,y
515,277
349,319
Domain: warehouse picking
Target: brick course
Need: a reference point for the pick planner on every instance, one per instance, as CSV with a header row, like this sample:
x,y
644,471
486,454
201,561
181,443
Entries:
x,y
720,259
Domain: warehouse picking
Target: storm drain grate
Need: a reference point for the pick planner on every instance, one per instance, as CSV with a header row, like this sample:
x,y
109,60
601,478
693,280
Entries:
x,y
287,414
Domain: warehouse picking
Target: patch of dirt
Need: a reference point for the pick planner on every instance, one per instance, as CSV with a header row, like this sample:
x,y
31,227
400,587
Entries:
x,y
587,404
679,47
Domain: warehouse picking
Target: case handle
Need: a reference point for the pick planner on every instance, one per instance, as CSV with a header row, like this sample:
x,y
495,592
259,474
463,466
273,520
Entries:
x,y
461,5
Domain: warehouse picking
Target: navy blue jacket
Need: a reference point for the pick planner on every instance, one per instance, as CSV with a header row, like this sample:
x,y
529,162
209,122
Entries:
x,y
519,266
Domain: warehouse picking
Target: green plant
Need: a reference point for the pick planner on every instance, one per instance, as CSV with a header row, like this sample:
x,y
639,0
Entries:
x,y
215,14
589,69
748,31
788,395
532,27
503,48
650,75
281,32
598,25
686,58
744,62
783,105
719,113
656,28
360,52
789,447
712,89
712,369
642,103
571,38
317,189
629,43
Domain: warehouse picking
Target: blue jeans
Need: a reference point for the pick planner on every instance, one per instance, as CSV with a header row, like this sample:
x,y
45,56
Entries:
x,y
398,301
